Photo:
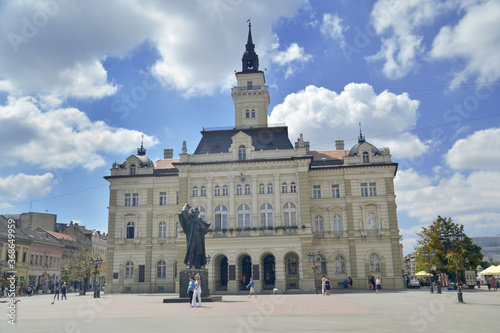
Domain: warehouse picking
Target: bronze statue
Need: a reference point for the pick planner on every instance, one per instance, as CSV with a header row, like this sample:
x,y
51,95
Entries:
x,y
195,229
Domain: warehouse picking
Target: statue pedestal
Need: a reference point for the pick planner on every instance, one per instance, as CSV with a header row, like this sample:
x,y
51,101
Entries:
x,y
184,282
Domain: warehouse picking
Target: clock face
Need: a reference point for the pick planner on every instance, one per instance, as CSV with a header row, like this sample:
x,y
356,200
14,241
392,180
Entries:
x,y
250,63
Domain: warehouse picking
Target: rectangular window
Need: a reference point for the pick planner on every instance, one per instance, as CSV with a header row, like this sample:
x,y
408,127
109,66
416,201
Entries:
x,y
317,191
238,190
249,85
135,199
292,268
373,189
261,189
364,189
293,188
24,256
335,191
224,190
163,198
269,188
127,199
247,190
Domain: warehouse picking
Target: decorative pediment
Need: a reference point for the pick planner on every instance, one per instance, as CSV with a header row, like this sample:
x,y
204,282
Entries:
x,y
130,214
369,205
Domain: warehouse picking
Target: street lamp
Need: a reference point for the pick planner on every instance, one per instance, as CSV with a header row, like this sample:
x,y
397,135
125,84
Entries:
x,y
97,263
452,239
427,255
313,258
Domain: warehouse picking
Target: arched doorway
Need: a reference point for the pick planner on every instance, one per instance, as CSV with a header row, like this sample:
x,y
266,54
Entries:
x,y
223,274
269,272
246,271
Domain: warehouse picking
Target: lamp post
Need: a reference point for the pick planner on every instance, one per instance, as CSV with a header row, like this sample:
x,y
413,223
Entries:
x,y
452,239
313,258
427,254
95,263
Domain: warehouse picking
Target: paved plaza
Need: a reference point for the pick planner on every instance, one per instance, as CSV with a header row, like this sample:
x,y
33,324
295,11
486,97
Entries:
x,y
348,311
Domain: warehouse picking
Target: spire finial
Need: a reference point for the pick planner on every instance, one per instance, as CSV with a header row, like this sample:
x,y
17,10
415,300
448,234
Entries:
x,y
141,151
361,137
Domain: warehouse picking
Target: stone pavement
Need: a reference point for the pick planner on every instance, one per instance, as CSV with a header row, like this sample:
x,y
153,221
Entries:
x,y
350,311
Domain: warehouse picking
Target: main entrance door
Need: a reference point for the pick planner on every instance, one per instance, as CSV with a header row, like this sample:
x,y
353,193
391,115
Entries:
x,y
269,272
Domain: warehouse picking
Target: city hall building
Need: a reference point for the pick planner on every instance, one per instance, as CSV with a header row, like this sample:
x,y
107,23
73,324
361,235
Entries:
x,y
279,212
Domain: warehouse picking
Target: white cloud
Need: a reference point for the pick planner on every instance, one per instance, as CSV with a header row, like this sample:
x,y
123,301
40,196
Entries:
x,y
293,58
332,28
475,41
59,138
472,200
479,150
324,116
20,186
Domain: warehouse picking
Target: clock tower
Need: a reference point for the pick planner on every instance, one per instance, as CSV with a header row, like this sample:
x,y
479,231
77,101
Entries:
x,y
250,96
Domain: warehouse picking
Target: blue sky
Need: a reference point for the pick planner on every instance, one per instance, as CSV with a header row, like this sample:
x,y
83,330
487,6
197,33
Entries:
x,y
82,81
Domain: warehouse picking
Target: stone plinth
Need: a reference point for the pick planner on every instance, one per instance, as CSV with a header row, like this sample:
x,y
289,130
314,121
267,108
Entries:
x,y
184,282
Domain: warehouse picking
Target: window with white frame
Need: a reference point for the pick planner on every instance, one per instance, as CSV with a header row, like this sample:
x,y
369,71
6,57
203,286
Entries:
x,y
262,188
337,222
130,230
129,270
247,189
289,214
247,114
269,188
366,157
373,189
225,190
371,221
127,199
335,191
242,153
244,216
216,191
293,187
375,263
317,191
266,215
220,217
364,189
253,113
239,190
163,198
135,199
284,188
202,211
161,269
340,264
318,223
203,191
162,230
195,191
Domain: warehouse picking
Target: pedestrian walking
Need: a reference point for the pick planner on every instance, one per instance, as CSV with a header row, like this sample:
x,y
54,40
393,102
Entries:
x,y
196,291
372,281
494,283
488,283
56,293
251,286
323,282
478,281
191,289
378,283
63,291
327,286
350,281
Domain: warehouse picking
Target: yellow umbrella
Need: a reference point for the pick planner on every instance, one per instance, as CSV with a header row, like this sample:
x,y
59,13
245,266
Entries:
x,y
492,270
423,274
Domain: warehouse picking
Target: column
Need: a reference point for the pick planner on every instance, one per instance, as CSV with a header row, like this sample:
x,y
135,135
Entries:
x,y
232,191
255,209
277,203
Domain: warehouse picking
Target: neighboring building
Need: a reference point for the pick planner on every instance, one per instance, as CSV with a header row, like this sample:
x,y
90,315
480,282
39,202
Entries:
x,y
490,247
78,232
34,220
269,203
99,242
410,264
22,243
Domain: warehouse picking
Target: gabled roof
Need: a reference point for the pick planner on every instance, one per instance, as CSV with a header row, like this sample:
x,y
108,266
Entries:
x,y
59,235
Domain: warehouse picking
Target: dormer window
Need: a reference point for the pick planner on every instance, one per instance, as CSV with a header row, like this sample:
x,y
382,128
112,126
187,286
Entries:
x,y
242,153
247,114
366,157
132,169
249,85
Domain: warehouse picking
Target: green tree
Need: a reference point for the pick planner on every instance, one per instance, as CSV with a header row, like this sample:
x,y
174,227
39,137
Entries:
x,y
468,255
76,266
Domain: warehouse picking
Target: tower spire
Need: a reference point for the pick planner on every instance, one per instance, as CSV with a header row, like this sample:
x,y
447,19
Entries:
x,y
141,151
250,60
361,138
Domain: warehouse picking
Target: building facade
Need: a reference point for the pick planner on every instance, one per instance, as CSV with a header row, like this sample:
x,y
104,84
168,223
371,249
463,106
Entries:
x,y
271,205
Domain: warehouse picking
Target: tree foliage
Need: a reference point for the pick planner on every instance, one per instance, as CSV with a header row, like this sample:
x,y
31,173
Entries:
x,y
468,255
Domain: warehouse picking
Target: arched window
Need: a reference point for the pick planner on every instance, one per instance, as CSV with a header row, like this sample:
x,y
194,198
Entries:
x,y
242,153
162,269
203,191
261,188
269,188
289,214
266,215
337,222
243,216
217,191
247,113
195,191
130,230
247,189
225,190
284,188
132,169
162,230
340,264
202,211
129,270
220,217
375,263
292,265
318,223
293,187
371,221
239,189
253,113
366,157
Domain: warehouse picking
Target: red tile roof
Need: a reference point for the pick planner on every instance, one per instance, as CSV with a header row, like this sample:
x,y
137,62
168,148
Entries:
x,y
61,236
328,154
166,164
